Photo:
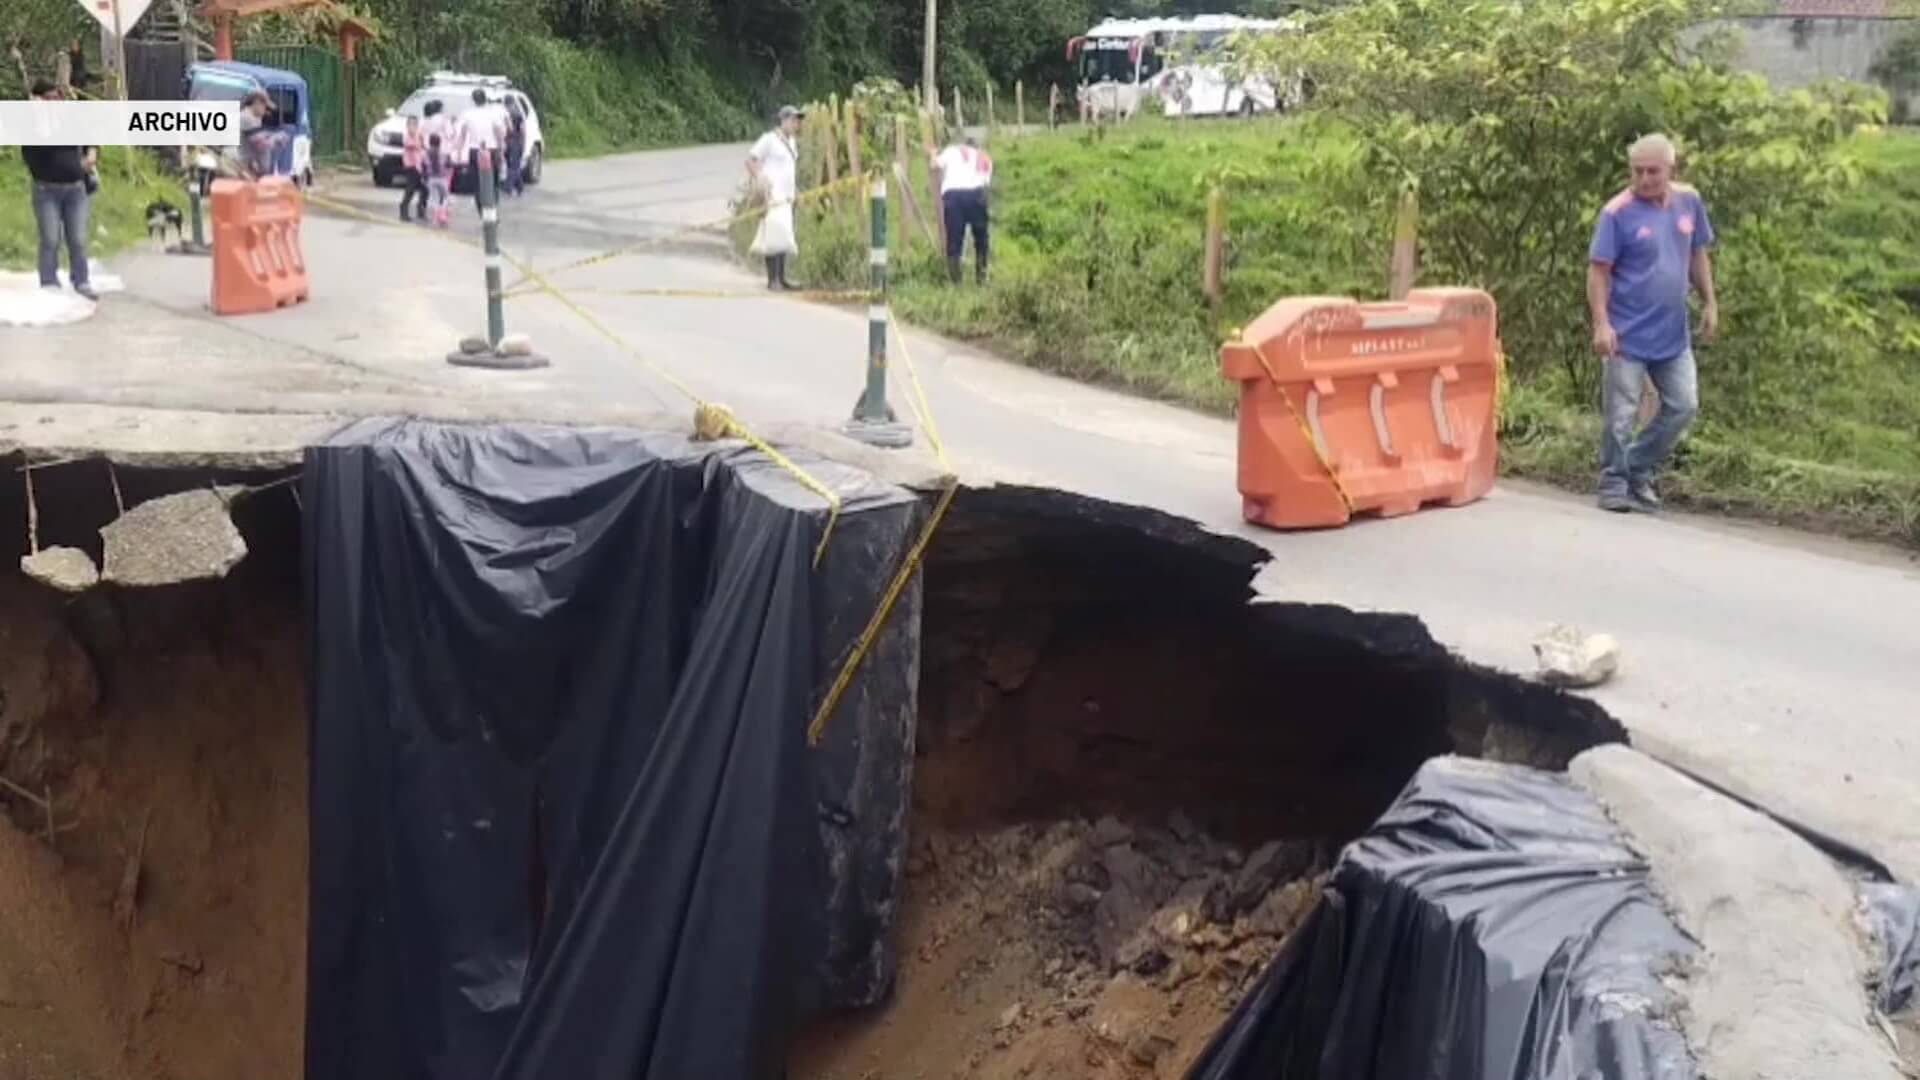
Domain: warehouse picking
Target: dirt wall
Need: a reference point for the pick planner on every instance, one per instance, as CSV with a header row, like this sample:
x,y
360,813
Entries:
x,y
160,935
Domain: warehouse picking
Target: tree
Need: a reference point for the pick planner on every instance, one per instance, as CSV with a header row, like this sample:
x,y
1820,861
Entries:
x,y
1511,119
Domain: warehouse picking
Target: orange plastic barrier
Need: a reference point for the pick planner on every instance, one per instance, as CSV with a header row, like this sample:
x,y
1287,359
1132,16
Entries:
x,y
257,265
1349,408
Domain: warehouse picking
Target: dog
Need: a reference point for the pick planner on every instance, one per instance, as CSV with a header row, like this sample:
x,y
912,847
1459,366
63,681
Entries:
x,y
163,215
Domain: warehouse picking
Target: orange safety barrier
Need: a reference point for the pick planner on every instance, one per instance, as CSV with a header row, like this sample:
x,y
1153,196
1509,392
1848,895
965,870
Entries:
x,y
1350,408
257,265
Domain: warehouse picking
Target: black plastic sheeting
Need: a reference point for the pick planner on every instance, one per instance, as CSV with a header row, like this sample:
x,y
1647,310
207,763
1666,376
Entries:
x,y
565,823
1492,925
1893,910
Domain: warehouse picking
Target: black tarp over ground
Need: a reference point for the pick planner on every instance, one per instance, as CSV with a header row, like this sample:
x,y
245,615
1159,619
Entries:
x,y
565,824
1492,925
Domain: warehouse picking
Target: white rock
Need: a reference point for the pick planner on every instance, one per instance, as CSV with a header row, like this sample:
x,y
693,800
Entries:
x,y
1569,657
64,568
515,345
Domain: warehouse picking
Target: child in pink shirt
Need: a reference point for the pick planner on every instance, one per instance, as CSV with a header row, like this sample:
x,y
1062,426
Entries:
x,y
437,167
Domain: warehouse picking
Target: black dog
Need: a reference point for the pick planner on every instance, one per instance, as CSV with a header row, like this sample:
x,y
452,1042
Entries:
x,y
163,215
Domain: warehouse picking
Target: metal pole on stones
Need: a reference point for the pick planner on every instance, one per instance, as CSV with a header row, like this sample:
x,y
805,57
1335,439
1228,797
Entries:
x,y
490,233
873,420
498,350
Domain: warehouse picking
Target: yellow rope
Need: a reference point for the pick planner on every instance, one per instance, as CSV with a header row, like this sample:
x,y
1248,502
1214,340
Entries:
x,y
824,295
908,566
1306,430
810,195
528,272
712,420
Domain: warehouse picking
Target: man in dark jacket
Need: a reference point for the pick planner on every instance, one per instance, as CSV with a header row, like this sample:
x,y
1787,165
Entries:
x,y
60,203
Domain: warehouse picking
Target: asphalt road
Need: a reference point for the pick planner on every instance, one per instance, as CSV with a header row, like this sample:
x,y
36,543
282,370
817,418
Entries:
x,y
1782,666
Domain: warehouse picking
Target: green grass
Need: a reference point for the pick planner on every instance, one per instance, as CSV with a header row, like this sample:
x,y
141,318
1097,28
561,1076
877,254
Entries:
x,y
1098,247
128,182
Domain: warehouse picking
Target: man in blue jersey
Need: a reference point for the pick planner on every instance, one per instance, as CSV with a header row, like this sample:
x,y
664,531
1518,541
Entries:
x,y
1650,244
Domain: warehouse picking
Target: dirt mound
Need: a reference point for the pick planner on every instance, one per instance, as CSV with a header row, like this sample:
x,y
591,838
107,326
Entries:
x,y
160,935
1076,948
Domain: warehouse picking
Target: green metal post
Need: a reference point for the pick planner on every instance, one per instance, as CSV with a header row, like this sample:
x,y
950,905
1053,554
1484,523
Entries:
x,y
495,351
873,419
490,229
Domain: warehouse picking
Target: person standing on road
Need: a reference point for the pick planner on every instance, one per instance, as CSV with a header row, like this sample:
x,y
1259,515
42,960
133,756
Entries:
x,y
773,164
483,128
413,160
1651,242
965,173
516,149
62,176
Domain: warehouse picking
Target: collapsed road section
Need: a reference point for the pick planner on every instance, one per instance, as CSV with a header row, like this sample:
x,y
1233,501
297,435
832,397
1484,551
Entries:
x,y
490,759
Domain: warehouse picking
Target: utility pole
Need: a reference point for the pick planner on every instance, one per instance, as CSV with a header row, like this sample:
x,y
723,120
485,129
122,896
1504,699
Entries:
x,y
926,59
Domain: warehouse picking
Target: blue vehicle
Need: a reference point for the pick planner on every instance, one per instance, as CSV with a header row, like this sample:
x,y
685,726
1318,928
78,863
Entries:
x,y
292,112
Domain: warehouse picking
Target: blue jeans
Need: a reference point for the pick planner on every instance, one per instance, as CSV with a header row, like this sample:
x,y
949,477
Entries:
x,y
57,209
1628,461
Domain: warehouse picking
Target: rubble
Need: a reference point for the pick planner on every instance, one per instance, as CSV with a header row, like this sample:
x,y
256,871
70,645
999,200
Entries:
x,y
1102,948
185,536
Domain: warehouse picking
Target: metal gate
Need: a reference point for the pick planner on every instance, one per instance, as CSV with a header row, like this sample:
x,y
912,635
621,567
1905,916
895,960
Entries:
x,y
326,82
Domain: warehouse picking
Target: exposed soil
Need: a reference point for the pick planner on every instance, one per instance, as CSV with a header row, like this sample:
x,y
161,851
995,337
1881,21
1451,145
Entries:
x,y
161,934
1095,949
1127,786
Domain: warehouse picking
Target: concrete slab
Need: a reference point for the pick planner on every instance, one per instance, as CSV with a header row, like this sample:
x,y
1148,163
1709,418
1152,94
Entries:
x,y
1781,990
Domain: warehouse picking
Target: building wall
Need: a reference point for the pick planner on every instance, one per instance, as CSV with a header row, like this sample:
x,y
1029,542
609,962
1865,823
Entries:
x,y
1798,51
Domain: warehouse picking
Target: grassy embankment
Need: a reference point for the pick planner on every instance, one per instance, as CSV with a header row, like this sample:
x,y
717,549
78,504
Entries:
x,y
127,184
1098,248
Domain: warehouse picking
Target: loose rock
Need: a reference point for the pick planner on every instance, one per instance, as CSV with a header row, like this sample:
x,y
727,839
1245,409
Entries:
x,y
1568,657
64,568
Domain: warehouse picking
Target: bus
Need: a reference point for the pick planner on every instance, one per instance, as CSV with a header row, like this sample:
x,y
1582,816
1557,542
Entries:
x,y
1123,64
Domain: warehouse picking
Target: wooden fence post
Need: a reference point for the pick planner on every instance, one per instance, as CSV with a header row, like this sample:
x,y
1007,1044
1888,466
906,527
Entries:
x,y
1053,106
903,175
833,143
1213,273
934,209
992,121
959,113
1404,265
853,144
1019,107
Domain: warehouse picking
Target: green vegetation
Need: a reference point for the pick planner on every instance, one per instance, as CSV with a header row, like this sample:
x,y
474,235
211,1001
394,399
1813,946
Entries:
x,y
1509,120
1812,398
622,74
128,183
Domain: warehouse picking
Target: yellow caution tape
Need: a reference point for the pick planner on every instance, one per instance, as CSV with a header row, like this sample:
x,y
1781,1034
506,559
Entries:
x,y
526,271
719,225
712,420
1306,430
823,295
908,566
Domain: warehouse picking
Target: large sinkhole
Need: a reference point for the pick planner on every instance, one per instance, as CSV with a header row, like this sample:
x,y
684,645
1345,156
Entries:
x,y
1127,781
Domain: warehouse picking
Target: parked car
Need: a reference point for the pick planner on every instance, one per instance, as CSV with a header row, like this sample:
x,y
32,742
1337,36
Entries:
x,y
455,93
292,112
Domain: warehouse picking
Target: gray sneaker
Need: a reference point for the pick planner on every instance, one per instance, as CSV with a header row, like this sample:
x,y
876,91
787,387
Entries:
x,y
1616,503
86,290
1645,498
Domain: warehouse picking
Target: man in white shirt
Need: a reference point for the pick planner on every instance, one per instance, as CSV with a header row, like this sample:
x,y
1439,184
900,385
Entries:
x,y
965,172
483,127
773,165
